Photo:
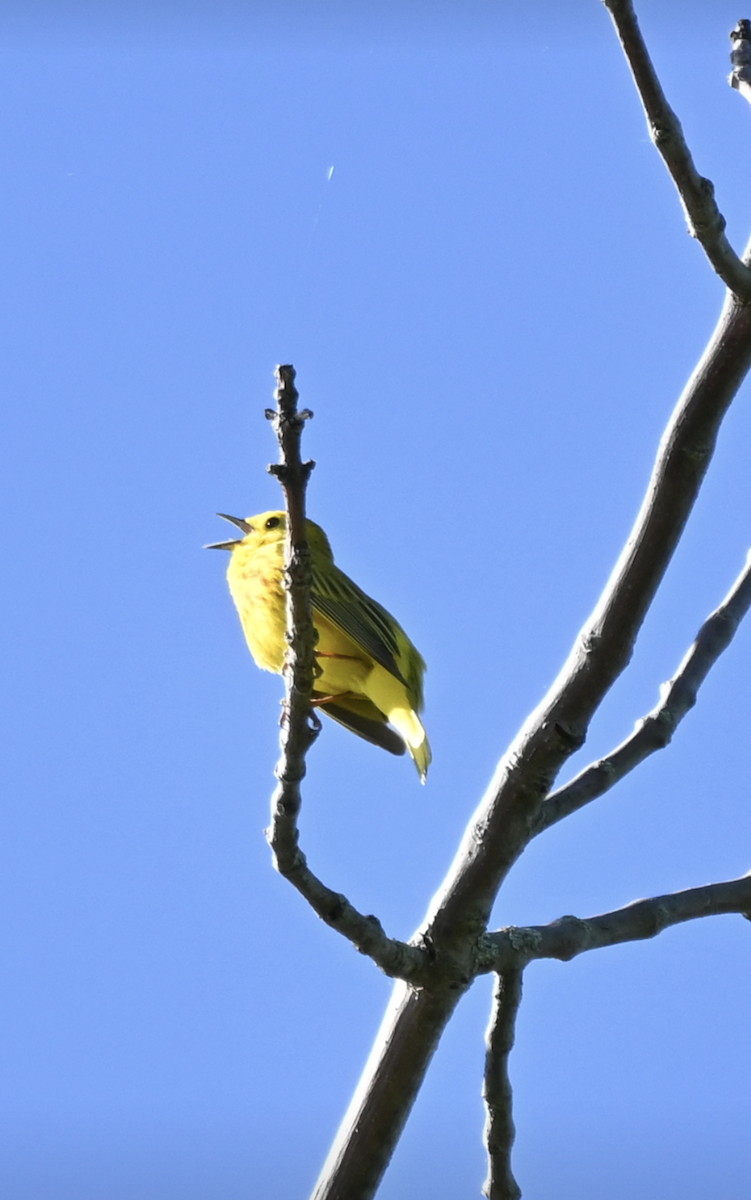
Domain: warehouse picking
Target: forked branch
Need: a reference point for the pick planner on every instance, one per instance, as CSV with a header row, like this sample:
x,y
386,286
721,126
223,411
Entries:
x,y
509,814
452,946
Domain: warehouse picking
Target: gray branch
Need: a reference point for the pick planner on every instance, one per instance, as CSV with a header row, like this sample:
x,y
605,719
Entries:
x,y
705,221
567,937
497,1094
655,731
300,725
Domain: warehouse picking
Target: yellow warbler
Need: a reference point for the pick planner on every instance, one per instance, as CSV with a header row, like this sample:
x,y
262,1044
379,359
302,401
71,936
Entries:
x,y
370,673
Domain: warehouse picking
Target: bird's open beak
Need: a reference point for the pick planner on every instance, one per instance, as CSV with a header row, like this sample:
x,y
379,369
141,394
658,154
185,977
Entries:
x,y
238,521
224,545
245,526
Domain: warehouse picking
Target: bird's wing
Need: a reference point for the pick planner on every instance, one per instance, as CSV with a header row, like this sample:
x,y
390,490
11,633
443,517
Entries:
x,y
363,718
336,597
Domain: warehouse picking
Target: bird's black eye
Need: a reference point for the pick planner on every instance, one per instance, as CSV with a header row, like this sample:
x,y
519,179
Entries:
x,y
272,522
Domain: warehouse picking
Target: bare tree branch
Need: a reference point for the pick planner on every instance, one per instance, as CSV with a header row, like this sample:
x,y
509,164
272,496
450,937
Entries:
x,y
499,1123
568,936
508,814
507,817
299,731
397,959
705,221
655,731
300,725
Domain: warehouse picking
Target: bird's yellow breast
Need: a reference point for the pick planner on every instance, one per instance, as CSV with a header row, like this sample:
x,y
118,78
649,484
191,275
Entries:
x,y
255,581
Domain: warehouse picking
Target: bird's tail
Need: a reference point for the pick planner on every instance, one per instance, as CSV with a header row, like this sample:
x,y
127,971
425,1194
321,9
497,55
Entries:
x,y
409,725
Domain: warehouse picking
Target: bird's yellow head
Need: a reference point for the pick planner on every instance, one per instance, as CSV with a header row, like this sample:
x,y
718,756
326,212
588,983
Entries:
x,y
269,529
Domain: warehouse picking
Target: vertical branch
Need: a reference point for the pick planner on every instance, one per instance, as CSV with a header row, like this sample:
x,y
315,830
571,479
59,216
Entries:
x,y
499,1123
299,725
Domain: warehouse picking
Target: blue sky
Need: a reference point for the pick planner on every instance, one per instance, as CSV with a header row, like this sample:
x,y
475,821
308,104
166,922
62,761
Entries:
x,y
492,305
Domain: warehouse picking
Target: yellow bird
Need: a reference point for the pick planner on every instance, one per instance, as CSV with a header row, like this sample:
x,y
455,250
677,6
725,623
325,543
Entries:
x,y
370,673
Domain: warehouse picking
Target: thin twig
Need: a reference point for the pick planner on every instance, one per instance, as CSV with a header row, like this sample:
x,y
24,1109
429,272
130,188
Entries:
x,y
400,960
299,731
567,937
655,731
497,1094
299,724
705,221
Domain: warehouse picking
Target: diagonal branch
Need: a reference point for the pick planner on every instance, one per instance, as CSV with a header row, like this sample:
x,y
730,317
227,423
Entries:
x,y
507,816
499,1123
397,959
567,937
655,731
299,724
705,221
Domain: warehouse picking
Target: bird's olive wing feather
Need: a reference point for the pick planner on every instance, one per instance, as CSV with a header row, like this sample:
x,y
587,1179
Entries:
x,y
363,718
364,620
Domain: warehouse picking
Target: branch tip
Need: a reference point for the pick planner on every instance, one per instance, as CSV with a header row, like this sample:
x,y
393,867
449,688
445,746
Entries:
x,y
567,937
705,221
497,1094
